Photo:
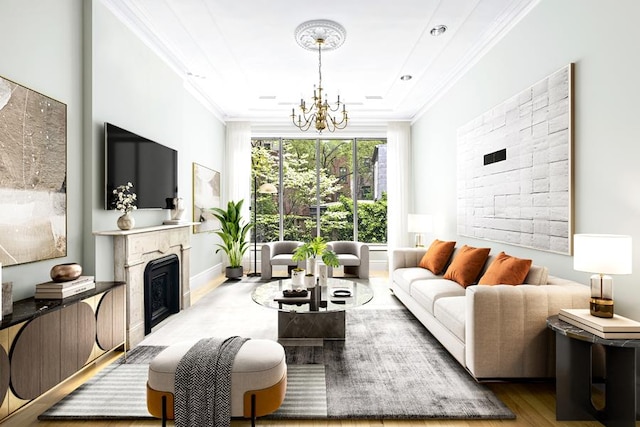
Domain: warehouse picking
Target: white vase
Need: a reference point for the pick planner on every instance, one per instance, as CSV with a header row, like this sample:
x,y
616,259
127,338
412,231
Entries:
x,y
323,274
309,281
297,278
126,221
312,266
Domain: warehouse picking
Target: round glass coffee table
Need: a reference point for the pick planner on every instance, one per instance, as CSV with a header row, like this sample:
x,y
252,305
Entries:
x,y
318,314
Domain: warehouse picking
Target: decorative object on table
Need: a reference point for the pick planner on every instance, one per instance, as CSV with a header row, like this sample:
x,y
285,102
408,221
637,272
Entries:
x,y
206,195
297,277
33,176
61,290
490,163
309,281
124,200
65,272
323,274
7,298
330,35
341,292
602,254
313,251
616,327
419,224
233,233
295,293
177,210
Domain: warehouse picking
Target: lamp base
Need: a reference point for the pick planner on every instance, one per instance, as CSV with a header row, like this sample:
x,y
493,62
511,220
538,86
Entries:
x,y
601,307
419,243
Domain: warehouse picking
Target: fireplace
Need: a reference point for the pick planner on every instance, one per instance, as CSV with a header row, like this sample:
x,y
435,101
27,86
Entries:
x,y
133,250
161,290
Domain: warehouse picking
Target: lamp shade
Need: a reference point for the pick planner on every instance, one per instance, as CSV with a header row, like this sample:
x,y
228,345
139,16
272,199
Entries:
x,y
602,253
267,188
419,223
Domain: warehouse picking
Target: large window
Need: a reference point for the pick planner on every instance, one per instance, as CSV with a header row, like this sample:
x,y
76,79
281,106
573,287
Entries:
x,y
332,187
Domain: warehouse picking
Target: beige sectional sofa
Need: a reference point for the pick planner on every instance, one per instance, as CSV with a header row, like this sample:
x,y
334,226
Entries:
x,y
495,332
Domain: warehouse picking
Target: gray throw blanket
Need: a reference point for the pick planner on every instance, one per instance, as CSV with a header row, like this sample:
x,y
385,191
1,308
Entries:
x,y
203,383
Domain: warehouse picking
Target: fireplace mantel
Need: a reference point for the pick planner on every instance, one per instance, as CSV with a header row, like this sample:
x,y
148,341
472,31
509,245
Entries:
x,y
133,250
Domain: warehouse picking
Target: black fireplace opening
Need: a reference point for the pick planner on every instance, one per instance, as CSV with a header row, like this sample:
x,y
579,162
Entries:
x,y
161,290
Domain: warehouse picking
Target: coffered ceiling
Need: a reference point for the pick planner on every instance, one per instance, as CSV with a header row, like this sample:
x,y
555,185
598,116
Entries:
x,y
241,57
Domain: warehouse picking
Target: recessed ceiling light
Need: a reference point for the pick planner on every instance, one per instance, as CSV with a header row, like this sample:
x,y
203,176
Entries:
x,y
438,30
406,77
267,97
373,97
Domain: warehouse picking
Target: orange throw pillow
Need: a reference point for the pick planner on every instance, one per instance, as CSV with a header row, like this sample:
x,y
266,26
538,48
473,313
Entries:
x,y
467,264
437,256
506,270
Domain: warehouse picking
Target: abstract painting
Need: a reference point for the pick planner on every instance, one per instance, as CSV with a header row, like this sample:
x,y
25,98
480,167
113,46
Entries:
x,y
206,195
515,168
33,175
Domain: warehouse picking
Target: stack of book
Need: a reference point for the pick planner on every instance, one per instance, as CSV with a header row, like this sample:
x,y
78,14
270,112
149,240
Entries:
x,y
616,327
60,290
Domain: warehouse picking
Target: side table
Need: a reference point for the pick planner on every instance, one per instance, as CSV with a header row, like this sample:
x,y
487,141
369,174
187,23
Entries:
x,y
573,376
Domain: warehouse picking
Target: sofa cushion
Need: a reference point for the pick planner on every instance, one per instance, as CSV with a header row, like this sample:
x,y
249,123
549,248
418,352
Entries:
x,y
537,276
506,270
437,256
466,265
283,259
403,277
348,259
427,292
450,312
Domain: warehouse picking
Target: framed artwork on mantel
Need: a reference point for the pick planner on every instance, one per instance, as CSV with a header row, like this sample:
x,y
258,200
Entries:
x,y
33,175
515,168
206,195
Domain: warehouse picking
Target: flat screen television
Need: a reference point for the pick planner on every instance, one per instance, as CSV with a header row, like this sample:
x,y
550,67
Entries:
x,y
151,167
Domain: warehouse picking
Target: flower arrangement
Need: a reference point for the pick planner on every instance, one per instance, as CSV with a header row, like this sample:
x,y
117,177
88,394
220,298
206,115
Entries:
x,y
125,199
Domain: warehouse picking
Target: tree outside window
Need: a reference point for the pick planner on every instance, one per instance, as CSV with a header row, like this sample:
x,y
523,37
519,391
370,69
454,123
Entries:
x,y
318,180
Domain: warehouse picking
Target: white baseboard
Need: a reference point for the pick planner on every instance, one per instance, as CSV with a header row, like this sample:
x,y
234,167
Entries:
x,y
205,277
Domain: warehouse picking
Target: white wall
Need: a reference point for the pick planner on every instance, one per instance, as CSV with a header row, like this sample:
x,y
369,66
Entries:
x,y
41,48
133,88
601,38
78,53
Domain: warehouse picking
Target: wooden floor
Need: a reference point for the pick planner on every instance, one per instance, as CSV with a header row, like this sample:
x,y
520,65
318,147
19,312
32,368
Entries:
x,y
533,404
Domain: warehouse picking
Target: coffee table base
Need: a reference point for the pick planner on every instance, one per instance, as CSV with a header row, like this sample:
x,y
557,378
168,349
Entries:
x,y
326,325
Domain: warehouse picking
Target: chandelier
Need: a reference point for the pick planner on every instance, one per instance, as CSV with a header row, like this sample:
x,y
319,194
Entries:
x,y
320,113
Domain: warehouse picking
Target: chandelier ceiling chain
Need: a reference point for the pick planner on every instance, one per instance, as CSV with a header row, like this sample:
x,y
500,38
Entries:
x,y
331,35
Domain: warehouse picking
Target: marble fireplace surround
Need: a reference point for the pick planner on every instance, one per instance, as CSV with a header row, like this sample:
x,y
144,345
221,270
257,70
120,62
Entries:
x,y
133,250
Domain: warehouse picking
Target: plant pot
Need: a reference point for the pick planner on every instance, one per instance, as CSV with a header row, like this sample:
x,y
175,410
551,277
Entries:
x,y
309,281
297,278
234,272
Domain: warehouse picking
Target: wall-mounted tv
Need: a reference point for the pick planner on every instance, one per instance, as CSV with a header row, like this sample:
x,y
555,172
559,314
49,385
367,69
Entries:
x,y
152,168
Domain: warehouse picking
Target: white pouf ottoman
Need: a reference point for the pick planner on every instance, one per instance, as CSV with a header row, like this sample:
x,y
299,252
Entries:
x,y
258,379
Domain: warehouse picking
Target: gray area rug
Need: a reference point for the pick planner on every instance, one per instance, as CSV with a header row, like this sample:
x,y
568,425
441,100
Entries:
x,y
389,367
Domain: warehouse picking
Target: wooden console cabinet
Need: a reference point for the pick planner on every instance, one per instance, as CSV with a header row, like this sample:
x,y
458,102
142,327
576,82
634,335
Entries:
x,y
44,342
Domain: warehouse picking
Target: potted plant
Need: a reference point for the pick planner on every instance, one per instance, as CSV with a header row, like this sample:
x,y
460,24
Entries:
x,y
233,234
314,250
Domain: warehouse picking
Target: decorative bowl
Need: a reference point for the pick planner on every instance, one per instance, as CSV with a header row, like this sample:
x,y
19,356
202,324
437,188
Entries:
x,y
65,272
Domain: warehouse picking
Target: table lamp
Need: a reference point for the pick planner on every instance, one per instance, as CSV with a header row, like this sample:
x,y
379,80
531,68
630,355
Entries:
x,y
602,254
419,223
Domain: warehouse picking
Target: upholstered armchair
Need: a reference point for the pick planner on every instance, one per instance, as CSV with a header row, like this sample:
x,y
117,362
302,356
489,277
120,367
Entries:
x,y
354,256
277,253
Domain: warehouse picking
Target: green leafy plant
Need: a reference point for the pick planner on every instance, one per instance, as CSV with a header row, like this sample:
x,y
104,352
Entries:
x,y
232,232
316,248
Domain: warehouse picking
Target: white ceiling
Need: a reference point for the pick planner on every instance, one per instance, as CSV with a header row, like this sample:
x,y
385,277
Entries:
x,y
241,58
